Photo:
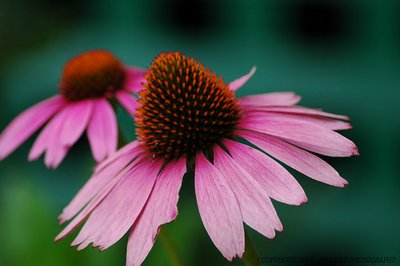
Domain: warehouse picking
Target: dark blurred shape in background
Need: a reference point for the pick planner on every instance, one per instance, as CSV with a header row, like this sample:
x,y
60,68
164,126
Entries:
x,y
320,22
195,17
25,24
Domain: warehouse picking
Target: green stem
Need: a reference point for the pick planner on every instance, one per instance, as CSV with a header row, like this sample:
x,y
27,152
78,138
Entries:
x,y
250,257
170,247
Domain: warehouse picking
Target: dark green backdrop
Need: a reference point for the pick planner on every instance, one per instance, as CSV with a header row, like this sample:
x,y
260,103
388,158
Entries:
x,y
342,56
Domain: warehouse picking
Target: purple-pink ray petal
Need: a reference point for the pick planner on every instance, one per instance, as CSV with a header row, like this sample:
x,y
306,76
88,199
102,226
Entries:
x,y
102,131
134,79
219,209
75,122
62,132
26,123
238,83
45,137
298,110
128,148
98,181
255,205
104,191
128,101
113,217
304,134
270,99
49,141
328,123
299,159
272,177
161,208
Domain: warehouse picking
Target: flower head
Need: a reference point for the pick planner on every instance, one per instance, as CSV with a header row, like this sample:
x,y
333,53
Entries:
x,y
91,75
88,82
187,110
189,118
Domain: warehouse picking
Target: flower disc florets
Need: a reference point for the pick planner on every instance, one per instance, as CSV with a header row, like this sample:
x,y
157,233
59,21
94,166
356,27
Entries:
x,y
184,108
92,74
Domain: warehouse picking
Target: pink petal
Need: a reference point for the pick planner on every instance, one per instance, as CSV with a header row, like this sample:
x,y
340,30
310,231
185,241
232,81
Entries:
x,y
102,131
134,79
271,99
76,120
54,155
26,123
43,140
68,126
272,177
316,120
128,148
98,181
95,202
219,209
161,208
255,205
237,83
128,101
113,217
301,160
49,139
304,134
301,110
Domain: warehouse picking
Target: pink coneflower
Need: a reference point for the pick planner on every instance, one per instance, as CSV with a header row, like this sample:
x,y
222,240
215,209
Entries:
x,y
189,119
88,82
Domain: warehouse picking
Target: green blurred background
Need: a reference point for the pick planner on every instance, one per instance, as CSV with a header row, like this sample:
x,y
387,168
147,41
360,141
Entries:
x,y
342,56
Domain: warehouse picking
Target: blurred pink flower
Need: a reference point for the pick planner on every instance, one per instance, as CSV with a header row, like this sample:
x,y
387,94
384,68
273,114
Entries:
x,y
190,119
88,82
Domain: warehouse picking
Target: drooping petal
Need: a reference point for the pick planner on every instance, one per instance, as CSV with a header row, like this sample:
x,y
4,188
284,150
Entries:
x,y
102,131
328,123
134,79
304,134
219,209
75,122
301,160
300,110
272,177
113,157
99,180
104,191
161,208
45,137
270,99
25,124
56,152
49,141
128,101
63,131
255,205
113,217
238,83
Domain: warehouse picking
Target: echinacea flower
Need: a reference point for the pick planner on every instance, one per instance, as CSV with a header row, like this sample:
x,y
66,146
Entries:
x,y
88,82
188,118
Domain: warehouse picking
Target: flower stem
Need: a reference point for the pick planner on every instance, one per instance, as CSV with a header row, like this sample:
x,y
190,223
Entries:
x,y
250,257
170,247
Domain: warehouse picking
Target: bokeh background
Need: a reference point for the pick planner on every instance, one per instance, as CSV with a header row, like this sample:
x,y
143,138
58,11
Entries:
x,y
340,55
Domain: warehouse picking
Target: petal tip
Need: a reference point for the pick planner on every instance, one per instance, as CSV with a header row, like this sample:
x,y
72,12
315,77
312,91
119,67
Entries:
x,y
303,201
344,184
279,228
355,152
62,219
